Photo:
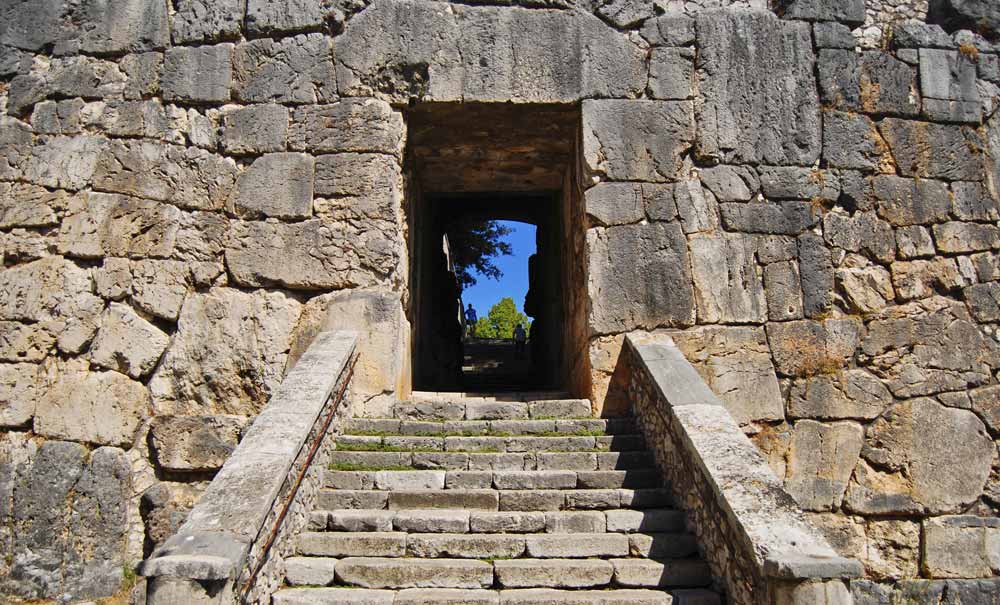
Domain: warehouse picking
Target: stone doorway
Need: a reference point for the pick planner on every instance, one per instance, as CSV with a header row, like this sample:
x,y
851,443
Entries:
x,y
495,162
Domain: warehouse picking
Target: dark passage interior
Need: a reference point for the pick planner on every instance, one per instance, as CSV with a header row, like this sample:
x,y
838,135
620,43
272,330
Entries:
x,y
491,162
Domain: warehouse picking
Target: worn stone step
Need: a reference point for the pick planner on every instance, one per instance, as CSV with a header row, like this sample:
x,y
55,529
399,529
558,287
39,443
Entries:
x,y
394,426
501,480
553,573
465,521
516,461
333,596
447,596
650,573
484,409
493,500
552,596
362,444
310,571
493,545
376,572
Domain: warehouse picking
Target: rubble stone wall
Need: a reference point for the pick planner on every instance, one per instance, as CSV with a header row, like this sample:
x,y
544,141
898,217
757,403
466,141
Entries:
x,y
191,189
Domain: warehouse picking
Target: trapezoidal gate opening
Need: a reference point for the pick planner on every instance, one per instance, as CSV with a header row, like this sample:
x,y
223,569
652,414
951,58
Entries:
x,y
468,165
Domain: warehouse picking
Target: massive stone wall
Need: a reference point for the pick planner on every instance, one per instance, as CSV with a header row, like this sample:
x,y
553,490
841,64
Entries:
x,y
189,190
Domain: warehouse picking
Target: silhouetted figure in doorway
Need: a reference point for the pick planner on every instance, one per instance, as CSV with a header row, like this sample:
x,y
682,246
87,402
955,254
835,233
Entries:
x,y
520,337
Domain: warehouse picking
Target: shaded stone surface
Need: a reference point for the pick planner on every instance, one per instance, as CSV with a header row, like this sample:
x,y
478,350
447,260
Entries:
x,y
821,460
764,119
194,443
727,286
127,343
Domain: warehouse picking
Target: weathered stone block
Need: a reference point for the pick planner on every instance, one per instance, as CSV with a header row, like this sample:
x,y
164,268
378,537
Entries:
x,y
933,151
985,402
159,287
19,386
937,458
765,119
867,290
851,12
63,162
207,20
727,285
949,76
184,176
806,348
873,82
923,278
360,187
973,202
202,74
255,129
323,256
671,73
127,343
914,242
637,140
349,125
265,17
821,459
862,232
404,50
291,70
786,218
217,362
798,183
782,288
833,35
956,237
735,362
852,141
850,394
277,185
961,547
104,408
142,75
113,26
671,29
100,224
655,291
817,276
697,208
611,204
195,443
911,201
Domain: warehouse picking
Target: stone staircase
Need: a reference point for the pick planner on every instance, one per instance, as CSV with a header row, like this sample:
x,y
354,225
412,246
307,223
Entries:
x,y
480,501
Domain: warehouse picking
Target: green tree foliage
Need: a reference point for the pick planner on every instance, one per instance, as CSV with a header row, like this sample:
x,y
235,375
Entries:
x,y
474,245
500,321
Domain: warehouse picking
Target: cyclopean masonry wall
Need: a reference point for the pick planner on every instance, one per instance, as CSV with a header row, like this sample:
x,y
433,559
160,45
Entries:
x,y
191,190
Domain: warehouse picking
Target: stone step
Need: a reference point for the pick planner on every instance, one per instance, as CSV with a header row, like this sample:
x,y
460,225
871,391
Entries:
x,y
495,546
496,500
465,521
363,444
519,461
453,596
375,572
485,409
500,480
416,428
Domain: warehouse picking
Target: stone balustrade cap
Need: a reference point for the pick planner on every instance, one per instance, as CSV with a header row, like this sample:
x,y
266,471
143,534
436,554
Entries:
x,y
793,566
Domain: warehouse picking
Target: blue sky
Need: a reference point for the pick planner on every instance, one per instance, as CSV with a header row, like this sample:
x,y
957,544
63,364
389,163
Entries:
x,y
514,282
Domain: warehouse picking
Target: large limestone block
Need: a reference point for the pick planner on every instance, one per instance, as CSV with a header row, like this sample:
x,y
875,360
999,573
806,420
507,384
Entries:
x,y
195,443
70,516
159,287
927,150
639,278
977,15
872,82
103,408
381,323
55,291
861,232
64,162
349,125
23,205
928,347
202,74
637,140
184,176
362,188
905,202
310,255
807,348
853,141
745,113
278,185
846,11
936,460
25,342
268,17
924,278
406,49
255,129
851,394
292,70
127,343
114,26
207,20
108,224
962,546
18,394
228,354
821,459
736,364
32,25
727,283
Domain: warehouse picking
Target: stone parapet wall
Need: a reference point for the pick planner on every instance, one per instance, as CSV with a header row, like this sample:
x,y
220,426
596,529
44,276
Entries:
x,y
232,546
758,542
